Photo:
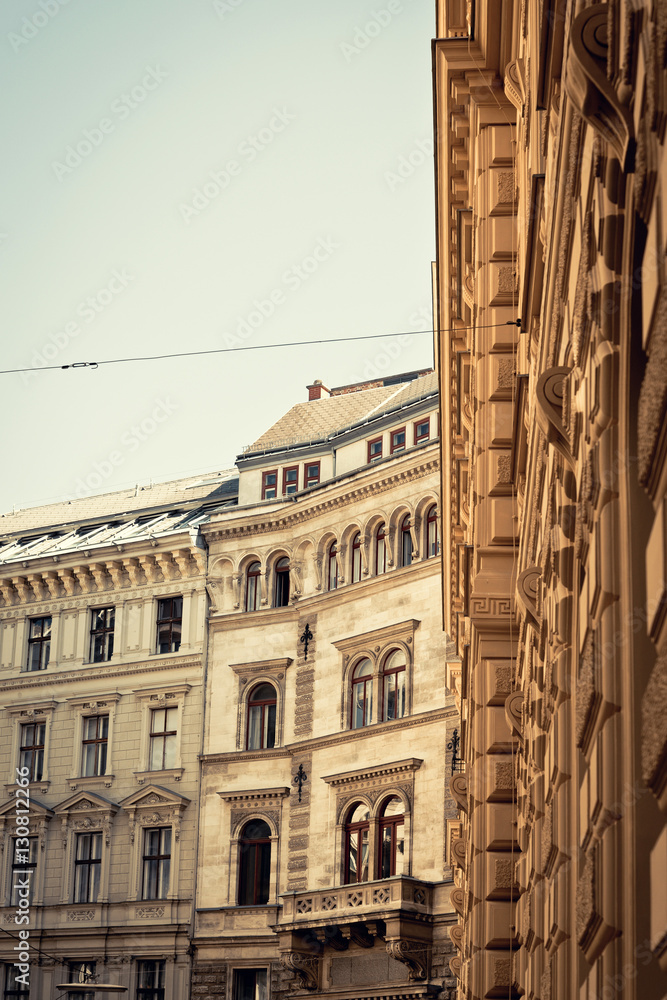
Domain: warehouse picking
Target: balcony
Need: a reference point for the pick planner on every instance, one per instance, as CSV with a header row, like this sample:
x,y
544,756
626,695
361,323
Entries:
x,y
396,911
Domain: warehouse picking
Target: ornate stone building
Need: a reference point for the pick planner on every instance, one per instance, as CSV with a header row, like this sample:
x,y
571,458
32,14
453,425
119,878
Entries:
x,y
324,794
551,309
102,653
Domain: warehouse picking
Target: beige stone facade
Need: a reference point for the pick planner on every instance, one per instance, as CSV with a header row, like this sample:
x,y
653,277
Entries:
x,y
551,185
84,718
314,926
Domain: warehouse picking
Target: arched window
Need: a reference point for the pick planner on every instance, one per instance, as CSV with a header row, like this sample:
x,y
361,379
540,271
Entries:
x,y
253,587
281,591
432,537
406,541
393,686
356,558
261,718
332,567
392,838
362,694
357,835
380,550
254,863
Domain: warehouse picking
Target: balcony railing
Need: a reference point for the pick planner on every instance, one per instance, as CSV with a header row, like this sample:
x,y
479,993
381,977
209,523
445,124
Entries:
x,y
348,903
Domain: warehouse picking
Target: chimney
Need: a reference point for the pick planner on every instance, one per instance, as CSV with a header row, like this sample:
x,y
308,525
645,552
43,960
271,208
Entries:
x,y
315,390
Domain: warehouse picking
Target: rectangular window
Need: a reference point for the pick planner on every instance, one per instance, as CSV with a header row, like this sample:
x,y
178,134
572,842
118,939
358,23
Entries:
x,y
32,749
87,867
95,745
290,479
150,980
398,440
24,869
311,474
163,739
269,484
375,449
39,643
14,988
422,430
101,634
156,863
81,972
169,621
250,984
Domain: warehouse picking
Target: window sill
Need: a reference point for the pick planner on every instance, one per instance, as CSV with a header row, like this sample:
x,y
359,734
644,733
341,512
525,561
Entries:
x,y
170,774
91,781
34,786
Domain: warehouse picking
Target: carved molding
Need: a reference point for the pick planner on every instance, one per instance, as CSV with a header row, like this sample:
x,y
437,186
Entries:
x,y
304,967
412,954
549,397
588,86
458,786
528,595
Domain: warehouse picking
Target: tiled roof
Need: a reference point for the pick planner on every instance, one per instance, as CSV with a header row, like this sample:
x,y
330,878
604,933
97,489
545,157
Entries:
x,y
222,486
322,419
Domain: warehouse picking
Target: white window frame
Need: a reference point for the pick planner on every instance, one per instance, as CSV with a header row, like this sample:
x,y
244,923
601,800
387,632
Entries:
x,y
85,812
272,672
84,708
156,698
27,714
148,808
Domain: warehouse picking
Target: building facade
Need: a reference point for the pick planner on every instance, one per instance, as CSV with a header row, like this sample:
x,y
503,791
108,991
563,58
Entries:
x,y
550,321
102,657
324,795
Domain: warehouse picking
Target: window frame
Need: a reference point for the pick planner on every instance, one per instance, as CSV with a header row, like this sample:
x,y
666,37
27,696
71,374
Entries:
x,y
420,438
256,576
286,470
89,863
357,829
310,481
405,532
377,538
98,742
40,642
374,458
332,560
170,620
266,703
157,859
36,750
266,486
22,867
392,672
159,970
385,823
394,449
164,735
107,633
281,587
432,517
80,969
261,860
356,561
367,682
20,993
239,971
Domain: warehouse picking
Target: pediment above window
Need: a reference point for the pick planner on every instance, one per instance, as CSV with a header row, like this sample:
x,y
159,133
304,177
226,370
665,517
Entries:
x,y
86,812
155,806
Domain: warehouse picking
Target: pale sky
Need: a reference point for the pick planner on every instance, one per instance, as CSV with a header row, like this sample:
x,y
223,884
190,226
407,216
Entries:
x,y
182,175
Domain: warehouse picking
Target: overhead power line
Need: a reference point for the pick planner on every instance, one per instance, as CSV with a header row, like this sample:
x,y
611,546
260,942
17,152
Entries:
x,y
250,347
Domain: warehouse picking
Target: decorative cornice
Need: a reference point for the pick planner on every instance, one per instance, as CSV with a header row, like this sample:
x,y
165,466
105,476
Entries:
x,y
369,773
402,630
29,679
255,794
